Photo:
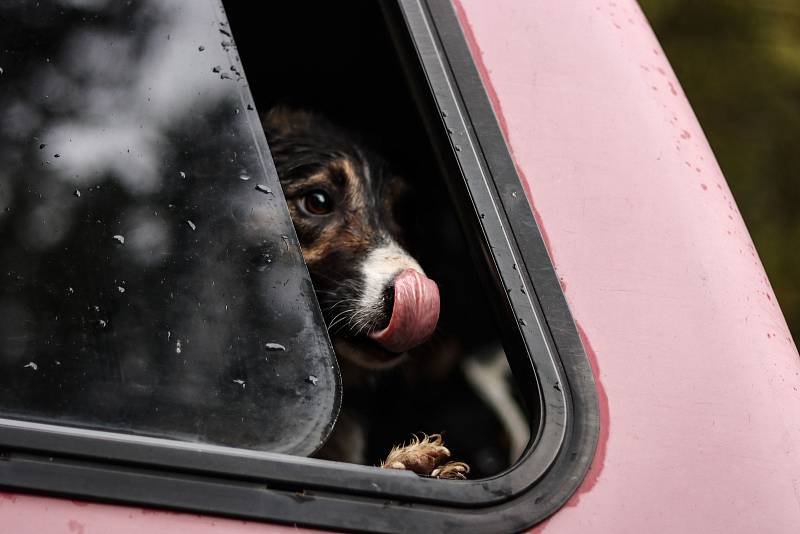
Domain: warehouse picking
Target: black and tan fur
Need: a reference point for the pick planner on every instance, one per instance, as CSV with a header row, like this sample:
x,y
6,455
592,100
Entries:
x,y
313,157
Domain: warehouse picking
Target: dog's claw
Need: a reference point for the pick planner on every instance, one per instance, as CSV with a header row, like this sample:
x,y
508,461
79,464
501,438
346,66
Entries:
x,y
425,457
452,471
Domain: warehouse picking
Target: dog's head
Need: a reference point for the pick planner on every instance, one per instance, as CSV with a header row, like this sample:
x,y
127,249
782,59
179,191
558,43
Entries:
x,y
375,297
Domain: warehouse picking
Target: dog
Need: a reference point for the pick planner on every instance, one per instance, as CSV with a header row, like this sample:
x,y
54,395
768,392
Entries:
x,y
378,303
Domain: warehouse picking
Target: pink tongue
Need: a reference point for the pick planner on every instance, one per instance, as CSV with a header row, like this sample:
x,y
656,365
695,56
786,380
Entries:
x,y
414,315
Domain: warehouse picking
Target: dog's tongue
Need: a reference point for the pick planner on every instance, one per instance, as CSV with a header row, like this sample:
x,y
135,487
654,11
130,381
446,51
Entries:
x,y
414,314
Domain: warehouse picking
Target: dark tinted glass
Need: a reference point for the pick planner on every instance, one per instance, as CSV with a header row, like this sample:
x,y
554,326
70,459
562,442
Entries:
x,y
151,279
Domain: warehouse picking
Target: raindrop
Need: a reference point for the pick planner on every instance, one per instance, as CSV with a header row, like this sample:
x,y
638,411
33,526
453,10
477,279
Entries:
x,y
1,70
224,32
522,322
178,347
42,146
121,289
119,239
201,48
240,382
244,177
274,347
483,215
261,262
191,224
103,323
77,193
250,107
514,194
444,113
56,155
458,148
32,365
216,69
236,111
449,130
70,291
514,266
183,174
225,76
312,380
264,189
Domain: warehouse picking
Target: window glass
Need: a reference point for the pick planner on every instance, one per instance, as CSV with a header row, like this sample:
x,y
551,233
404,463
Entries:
x,y
151,278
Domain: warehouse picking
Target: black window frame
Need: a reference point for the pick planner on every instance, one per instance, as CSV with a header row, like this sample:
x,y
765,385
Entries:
x,y
540,336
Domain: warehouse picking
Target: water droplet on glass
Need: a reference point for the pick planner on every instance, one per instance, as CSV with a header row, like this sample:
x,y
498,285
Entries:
x,y
264,189
201,48
522,322
458,148
42,146
77,193
32,365
183,174
444,113
102,322
240,382
312,380
216,69
70,291
250,107
514,194
119,239
261,262
178,347
1,70
514,266
56,155
274,347
191,225
244,177
121,289
236,111
225,76
449,130
483,215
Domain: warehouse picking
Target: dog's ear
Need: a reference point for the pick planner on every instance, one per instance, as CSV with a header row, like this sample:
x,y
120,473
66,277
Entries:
x,y
282,121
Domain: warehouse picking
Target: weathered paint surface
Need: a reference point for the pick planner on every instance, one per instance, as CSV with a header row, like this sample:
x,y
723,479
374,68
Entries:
x,y
702,417
26,514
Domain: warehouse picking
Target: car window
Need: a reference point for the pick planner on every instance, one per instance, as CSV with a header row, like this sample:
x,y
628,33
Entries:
x,y
152,280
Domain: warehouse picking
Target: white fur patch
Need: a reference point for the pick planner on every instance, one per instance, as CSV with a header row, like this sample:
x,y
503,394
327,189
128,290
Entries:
x,y
379,269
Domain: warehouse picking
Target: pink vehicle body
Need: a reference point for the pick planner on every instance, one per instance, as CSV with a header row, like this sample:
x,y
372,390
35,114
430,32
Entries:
x,y
698,378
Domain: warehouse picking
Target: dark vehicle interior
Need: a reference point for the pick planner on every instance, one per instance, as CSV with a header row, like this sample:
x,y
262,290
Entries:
x,y
340,59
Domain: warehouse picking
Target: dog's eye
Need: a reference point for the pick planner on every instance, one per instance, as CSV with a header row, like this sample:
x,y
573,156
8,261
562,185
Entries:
x,y
317,203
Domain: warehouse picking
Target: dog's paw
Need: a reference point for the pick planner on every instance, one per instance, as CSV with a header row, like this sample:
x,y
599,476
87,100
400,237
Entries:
x,y
452,471
425,457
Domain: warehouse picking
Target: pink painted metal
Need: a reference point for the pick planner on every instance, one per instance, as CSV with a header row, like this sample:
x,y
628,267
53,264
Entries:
x,y
26,514
701,424
699,380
